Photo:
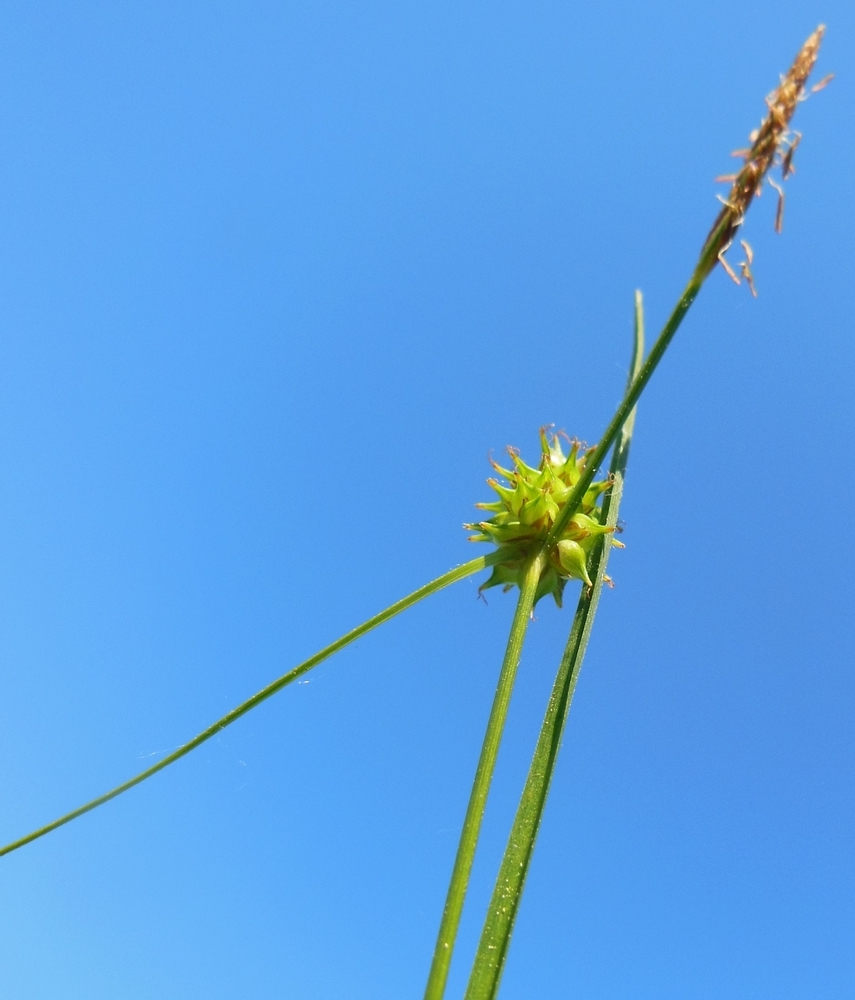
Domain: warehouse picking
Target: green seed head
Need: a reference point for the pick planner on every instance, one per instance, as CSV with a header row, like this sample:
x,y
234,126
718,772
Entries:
x,y
528,504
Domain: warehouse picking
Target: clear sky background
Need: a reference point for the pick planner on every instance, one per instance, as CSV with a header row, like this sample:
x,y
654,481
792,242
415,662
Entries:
x,y
275,279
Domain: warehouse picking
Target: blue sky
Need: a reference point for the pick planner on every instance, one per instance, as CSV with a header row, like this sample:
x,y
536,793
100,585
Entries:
x,y
275,279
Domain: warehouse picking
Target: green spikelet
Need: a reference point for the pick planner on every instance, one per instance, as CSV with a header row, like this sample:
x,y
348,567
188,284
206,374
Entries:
x,y
527,507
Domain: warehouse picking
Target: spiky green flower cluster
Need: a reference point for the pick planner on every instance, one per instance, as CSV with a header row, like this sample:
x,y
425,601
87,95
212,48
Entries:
x,y
528,507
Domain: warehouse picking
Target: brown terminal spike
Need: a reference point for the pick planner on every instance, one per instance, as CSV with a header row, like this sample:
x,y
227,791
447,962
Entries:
x,y
772,143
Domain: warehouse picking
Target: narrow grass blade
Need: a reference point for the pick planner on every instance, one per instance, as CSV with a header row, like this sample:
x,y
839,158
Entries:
x,y
452,576
459,883
498,927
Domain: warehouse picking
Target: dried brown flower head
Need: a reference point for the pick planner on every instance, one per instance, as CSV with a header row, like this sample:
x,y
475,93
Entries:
x,y
772,144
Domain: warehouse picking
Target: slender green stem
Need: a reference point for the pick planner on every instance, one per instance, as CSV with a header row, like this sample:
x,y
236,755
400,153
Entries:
x,y
504,904
610,434
452,576
481,786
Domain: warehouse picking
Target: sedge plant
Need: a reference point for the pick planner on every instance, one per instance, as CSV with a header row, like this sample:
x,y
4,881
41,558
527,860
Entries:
x,y
550,524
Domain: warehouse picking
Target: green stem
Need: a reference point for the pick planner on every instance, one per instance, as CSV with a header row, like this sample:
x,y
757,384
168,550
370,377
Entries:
x,y
481,786
504,904
635,389
452,576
